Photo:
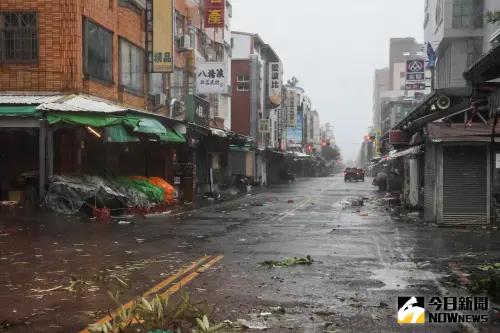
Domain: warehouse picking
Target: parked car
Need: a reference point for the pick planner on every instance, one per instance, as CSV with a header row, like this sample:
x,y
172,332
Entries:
x,y
361,174
354,174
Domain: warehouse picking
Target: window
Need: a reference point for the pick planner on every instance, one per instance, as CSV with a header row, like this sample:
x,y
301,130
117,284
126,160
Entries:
x,y
18,37
97,52
243,87
467,14
242,78
131,66
179,24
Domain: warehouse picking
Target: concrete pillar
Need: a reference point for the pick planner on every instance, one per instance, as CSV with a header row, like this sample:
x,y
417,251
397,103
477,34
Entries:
x,y
42,159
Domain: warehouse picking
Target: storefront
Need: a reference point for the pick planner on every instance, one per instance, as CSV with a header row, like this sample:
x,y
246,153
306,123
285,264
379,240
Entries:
x,y
459,164
80,143
23,135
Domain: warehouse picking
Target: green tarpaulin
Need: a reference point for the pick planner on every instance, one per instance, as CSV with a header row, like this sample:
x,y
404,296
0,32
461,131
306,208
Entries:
x,y
19,111
240,148
154,194
115,126
173,137
80,119
118,134
149,126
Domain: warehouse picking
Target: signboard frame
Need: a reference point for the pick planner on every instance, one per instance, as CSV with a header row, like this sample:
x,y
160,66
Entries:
x,y
265,126
275,84
212,6
216,72
160,35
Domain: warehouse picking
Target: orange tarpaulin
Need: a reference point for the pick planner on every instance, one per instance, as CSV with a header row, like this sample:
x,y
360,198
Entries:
x,y
168,190
166,187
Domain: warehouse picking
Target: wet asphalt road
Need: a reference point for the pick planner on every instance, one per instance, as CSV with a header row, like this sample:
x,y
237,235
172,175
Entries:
x,y
364,259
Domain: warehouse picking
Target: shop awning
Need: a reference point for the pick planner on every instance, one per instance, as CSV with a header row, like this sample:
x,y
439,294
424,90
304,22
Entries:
x,y
154,127
244,148
146,126
172,137
218,132
19,111
485,68
115,126
476,132
82,103
86,119
407,152
118,134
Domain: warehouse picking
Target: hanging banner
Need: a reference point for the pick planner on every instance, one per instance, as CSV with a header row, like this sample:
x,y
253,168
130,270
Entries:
x,y
211,78
163,36
292,105
264,126
275,82
215,13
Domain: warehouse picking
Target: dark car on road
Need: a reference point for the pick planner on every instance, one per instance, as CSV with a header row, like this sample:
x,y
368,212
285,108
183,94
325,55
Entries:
x,y
354,174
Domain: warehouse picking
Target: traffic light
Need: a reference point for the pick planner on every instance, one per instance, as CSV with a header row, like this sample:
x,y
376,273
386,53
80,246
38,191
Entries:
x,y
369,138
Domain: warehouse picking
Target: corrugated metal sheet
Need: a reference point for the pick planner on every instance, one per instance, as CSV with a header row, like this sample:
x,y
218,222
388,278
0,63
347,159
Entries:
x,y
28,99
494,102
465,185
80,103
430,183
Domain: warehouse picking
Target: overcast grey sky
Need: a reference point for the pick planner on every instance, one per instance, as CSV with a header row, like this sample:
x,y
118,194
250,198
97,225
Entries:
x,y
333,47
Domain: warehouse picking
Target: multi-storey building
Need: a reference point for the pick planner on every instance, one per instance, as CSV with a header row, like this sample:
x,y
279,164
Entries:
x,y
254,114
459,35
380,85
75,46
94,56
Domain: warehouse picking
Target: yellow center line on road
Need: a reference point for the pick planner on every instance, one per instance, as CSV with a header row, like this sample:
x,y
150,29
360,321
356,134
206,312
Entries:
x,y
183,271
186,280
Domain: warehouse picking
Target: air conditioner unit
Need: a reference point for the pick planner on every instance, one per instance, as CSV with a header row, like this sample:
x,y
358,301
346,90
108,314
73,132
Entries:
x,y
205,40
160,99
141,4
184,42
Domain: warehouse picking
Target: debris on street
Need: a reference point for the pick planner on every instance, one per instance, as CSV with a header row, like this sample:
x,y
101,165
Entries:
x,y
253,325
288,262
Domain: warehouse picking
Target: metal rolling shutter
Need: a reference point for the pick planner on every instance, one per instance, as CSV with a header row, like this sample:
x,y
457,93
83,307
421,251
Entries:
x,y
430,180
465,198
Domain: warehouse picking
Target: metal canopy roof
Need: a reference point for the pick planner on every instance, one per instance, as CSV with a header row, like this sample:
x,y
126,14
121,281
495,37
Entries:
x,y
485,68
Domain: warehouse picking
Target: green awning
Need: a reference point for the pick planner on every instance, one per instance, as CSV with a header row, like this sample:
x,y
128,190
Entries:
x,y
118,134
172,137
154,127
148,126
243,148
97,120
19,111
115,126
